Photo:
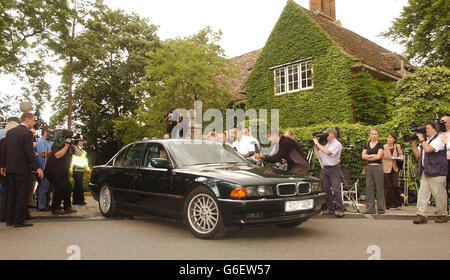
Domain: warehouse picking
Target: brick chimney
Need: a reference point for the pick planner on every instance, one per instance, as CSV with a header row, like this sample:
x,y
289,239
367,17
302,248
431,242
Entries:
x,y
325,7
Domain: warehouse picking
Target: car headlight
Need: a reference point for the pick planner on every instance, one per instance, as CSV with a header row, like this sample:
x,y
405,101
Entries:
x,y
316,187
259,191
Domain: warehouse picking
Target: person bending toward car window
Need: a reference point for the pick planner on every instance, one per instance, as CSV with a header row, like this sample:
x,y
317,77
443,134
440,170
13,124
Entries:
x,y
57,172
373,153
289,150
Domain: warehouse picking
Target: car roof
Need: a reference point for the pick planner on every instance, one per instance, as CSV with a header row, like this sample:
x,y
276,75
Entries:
x,y
174,141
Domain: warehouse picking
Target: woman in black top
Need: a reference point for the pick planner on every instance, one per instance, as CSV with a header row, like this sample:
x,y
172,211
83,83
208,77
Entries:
x,y
373,153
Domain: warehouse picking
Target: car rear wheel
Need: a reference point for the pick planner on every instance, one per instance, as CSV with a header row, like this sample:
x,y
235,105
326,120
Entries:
x,y
202,214
107,202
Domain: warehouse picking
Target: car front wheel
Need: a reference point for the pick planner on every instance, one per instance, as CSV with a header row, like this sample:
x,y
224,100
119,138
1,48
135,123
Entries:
x,y
107,202
202,214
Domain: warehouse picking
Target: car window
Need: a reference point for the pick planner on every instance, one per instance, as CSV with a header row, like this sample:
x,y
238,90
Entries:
x,y
120,158
133,155
154,151
187,153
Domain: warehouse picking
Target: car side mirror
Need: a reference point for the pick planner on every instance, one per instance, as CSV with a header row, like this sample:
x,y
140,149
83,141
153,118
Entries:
x,y
160,163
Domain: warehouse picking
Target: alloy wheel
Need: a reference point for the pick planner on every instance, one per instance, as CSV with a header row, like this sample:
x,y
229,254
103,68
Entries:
x,y
105,199
203,213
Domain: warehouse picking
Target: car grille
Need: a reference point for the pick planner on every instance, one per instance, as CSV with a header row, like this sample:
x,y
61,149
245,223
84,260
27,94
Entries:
x,y
304,188
287,189
291,189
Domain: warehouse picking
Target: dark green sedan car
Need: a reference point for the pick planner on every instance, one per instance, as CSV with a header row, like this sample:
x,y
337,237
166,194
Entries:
x,y
206,184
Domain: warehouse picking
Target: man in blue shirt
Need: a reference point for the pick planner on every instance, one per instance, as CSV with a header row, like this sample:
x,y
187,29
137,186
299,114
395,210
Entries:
x,y
43,148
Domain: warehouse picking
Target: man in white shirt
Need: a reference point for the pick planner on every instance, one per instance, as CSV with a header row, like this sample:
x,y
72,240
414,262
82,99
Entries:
x,y
248,133
433,169
243,144
329,157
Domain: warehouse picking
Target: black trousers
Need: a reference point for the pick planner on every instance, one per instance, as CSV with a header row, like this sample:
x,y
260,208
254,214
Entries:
x,y
78,192
18,190
62,188
4,202
392,190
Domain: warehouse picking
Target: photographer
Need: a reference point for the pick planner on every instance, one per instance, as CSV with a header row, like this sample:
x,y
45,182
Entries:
x,y
433,168
329,157
57,171
289,150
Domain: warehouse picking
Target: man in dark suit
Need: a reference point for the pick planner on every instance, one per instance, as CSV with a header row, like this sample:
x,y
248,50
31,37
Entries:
x,y
19,161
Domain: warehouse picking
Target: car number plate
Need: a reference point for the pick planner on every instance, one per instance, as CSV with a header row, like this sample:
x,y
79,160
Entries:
x,y
299,205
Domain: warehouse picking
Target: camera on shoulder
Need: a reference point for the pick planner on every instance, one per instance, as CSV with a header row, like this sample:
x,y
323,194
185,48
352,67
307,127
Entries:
x,y
59,136
323,135
414,127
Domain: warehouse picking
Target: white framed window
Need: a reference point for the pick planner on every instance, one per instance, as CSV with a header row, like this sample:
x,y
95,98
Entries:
x,y
280,81
293,77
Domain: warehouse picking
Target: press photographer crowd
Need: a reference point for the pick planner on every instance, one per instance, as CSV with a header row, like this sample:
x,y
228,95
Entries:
x,y
50,162
58,155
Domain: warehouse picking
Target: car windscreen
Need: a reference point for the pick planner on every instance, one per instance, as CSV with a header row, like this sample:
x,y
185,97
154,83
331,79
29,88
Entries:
x,y
189,153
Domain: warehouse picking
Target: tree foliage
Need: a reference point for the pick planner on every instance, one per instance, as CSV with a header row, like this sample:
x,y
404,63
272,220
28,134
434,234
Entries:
x,y
180,72
27,25
109,59
424,29
27,28
422,95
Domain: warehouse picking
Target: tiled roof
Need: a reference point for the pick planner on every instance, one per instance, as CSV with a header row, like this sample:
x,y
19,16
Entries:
x,y
244,63
360,48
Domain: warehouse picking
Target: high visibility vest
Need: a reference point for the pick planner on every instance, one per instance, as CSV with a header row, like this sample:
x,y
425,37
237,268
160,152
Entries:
x,y
80,162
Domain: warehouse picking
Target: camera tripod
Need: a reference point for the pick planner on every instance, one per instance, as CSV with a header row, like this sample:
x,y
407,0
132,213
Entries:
x,y
406,174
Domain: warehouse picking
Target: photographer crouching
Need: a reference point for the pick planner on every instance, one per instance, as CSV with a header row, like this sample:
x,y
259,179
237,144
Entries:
x,y
329,157
57,170
432,163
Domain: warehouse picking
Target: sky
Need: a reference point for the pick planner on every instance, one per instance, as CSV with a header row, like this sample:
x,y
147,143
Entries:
x,y
245,24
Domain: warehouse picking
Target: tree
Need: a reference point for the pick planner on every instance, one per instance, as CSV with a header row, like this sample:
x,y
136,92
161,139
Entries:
x,y
424,28
422,95
180,72
108,59
26,30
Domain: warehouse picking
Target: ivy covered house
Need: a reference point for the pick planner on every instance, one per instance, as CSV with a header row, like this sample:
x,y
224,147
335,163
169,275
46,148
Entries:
x,y
316,71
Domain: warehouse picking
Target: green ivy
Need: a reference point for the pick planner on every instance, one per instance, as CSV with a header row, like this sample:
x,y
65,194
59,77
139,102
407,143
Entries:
x,y
372,99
